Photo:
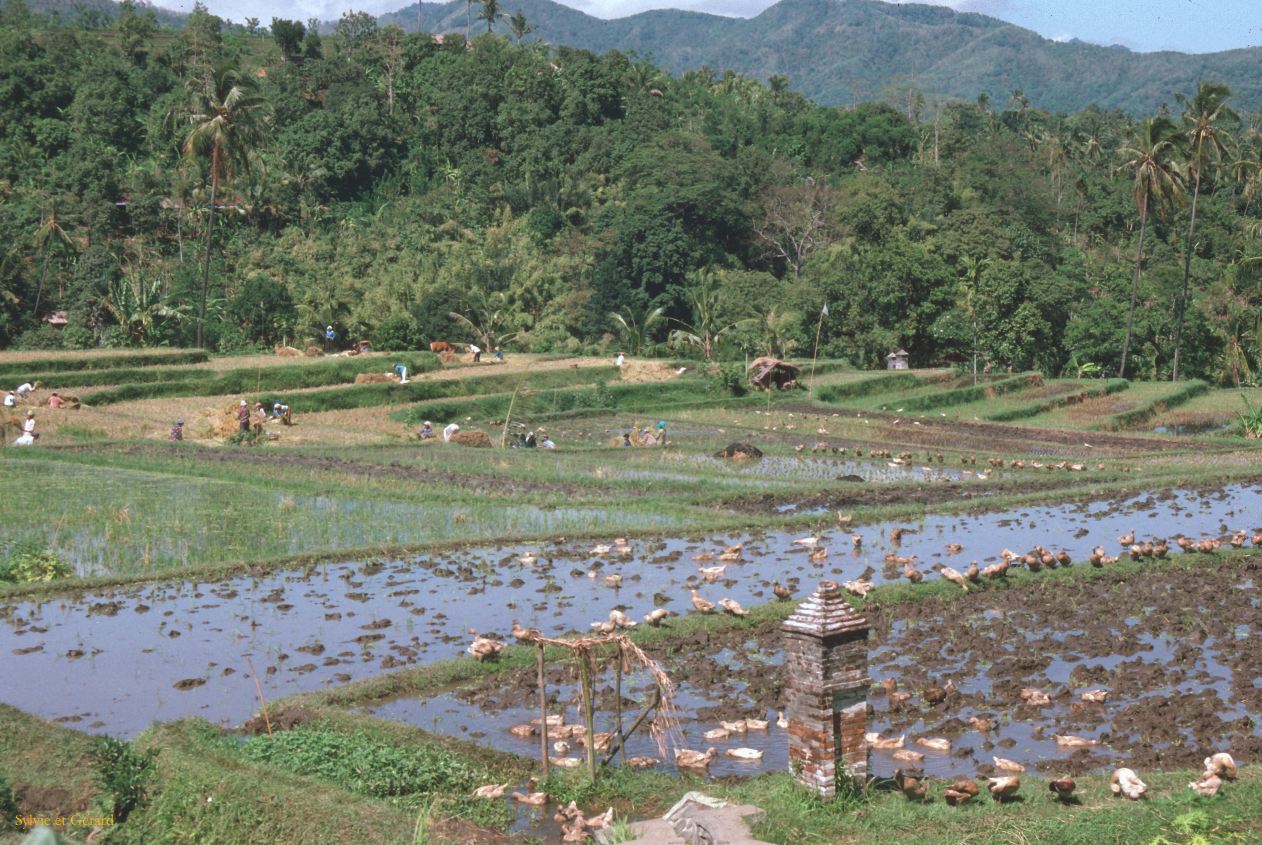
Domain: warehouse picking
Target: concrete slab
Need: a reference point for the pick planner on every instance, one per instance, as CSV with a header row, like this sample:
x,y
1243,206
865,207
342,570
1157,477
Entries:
x,y
698,819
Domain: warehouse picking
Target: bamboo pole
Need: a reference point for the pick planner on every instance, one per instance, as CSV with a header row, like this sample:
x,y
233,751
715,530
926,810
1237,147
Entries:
x,y
621,740
617,698
543,714
589,722
267,720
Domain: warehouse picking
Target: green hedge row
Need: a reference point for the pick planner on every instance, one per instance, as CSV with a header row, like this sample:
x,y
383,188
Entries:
x,y
372,395
868,386
1033,409
1149,410
148,358
964,395
256,379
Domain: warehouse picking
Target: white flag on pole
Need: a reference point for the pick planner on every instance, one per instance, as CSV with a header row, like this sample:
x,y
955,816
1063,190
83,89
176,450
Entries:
x,y
824,313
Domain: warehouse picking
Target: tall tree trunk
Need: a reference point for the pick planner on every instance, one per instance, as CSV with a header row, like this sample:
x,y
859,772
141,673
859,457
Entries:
x,y
1187,274
468,19
210,229
1130,313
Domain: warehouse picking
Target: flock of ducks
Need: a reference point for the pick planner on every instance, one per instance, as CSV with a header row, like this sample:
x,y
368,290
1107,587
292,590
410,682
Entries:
x,y
1123,782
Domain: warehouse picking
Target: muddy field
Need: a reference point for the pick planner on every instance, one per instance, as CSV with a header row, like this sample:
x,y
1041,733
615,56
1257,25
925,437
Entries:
x,y
1181,684
118,660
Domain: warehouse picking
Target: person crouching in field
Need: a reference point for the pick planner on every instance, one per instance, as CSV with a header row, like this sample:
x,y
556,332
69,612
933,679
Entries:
x,y
177,431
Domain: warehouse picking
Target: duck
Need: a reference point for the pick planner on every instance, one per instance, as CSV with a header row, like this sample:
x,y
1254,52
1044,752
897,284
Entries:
x,y
1070,741
781,592
561,747
1257,538
525,635
807,542
1127,539
737,727
908,756
1095,696
973,573
704,557
981,725
954,576
606,627
654,617
996,570
737,550
1035,697
566,762
483,648
843,520
1126,782
522,730
858,587
687,759
490,790
756,724
934,743
716,734
912,787
856,540
1207,786
954,548
601,740
728,557
913,574
1237,540
1221,764
896,535
710,574
744,753
529,558
782,721
819,555
533,799
702,605
1062,788
1003,788
614,581
621,620
733,607
642,762
1005,765
601,549
875,740
960,792
1063,558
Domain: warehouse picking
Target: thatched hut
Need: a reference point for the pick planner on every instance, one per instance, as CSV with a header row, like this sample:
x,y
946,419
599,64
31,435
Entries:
x,y
766,373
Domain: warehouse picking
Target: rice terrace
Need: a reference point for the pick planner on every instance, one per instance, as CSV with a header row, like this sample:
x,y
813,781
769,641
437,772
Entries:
x,y
337,631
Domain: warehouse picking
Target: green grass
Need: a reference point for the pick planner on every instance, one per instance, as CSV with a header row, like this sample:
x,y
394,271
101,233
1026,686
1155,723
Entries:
x,y
108,521
36,362
872,385
255,380
1176,395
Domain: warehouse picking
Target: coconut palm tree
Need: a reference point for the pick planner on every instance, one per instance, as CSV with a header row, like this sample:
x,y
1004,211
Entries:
x,y
1207,141
228,118
49,237
519,26
637,335
709,327
487,322
490,13
971,270
1149,157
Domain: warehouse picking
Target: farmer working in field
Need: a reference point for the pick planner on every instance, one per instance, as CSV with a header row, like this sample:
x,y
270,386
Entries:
x,y
243,417
177,431
477,352
427,431
280,411
55,401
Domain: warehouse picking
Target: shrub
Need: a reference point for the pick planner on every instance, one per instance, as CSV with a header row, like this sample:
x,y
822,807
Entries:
x,y
43,338
731,379
8,804
122,773
399,333
362,764
28,564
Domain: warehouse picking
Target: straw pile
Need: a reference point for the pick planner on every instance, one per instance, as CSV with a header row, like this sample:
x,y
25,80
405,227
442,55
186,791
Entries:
x,y
376,378
286,351
313,352
474,438
643,372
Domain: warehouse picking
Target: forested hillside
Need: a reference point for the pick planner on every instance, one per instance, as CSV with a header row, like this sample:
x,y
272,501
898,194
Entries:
x,y
838,52
380,181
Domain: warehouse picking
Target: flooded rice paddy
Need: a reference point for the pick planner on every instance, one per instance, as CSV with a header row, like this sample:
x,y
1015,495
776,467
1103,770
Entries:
x,y
118,660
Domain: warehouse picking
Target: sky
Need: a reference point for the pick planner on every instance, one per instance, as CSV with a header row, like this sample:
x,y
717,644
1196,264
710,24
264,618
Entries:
x,y
1192,26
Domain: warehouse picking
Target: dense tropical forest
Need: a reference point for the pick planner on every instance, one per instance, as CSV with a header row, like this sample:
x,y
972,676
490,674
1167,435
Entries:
x,y
241,186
